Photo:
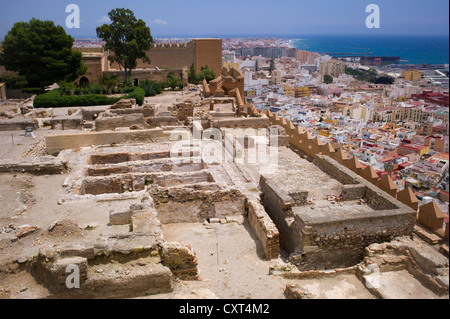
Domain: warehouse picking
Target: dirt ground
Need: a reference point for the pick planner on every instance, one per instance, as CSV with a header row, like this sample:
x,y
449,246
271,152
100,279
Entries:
x,y
231,267
230,262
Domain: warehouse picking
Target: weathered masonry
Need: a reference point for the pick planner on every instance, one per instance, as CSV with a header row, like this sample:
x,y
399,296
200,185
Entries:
x,y
327,215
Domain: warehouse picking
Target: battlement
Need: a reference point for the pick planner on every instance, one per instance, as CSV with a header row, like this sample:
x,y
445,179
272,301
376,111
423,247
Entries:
x,y
198,52
304,142
173,46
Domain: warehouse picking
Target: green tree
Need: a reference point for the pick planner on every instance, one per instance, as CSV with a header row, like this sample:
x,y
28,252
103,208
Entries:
x,y
110,82
385,79
207,74
328,79
151,88
13,80
127,38
272,66
173,81
192,75
67,87
42,53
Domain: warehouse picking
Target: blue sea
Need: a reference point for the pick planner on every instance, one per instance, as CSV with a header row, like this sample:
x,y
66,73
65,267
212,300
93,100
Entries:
x,y
413,49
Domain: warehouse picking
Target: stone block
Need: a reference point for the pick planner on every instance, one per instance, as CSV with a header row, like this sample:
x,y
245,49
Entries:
x,y
125,120
35,165
124,104
61,269
120,217
18,124
128,281
145,222
181,259
66,122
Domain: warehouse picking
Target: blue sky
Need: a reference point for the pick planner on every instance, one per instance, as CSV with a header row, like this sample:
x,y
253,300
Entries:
x,y
243,17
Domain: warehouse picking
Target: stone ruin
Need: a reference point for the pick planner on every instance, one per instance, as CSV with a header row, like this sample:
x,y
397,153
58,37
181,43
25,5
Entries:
x,y
314,219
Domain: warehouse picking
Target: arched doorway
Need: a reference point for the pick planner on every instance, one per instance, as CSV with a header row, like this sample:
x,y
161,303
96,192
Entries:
x,y
84,81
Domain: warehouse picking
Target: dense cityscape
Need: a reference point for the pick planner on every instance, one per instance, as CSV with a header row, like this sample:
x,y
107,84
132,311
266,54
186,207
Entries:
x,y
401,129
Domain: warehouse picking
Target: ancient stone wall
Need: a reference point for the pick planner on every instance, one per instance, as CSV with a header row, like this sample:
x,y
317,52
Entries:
x,y
197,204
310,146
257,122
278,206
126,120
200,52
265,229
325,235
18,124
57,143
167,58
208,52
181,260
39,165
342,243
173,56
95,67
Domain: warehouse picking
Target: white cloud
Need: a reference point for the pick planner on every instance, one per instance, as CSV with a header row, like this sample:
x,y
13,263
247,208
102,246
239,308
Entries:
x,y
104,19
158,21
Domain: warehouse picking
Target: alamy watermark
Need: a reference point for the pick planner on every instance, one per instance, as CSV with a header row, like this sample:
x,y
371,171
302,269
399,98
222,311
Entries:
x,y
373,19
73,19
73,280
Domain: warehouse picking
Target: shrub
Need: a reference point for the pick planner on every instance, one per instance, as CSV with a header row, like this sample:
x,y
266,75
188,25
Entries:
x,y
138,94
67,87
56,99
205,74
110,82
97,88
173,81
151,88
129,89
328,79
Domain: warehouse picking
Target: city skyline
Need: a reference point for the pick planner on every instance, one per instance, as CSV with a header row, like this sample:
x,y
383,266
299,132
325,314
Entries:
x,y
250,18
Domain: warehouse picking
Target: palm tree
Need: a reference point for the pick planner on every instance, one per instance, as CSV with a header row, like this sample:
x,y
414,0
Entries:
x,y
110,82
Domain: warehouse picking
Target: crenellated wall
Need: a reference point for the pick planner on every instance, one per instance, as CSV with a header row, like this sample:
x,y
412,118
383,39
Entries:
x,y
198,52
303,141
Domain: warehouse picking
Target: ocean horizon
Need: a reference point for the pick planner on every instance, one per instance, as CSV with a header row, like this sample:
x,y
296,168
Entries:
x,y
412,49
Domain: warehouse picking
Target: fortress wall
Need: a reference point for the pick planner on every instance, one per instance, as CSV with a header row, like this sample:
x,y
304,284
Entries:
x,y
200,52
95,69
208,52
312,147
172,56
